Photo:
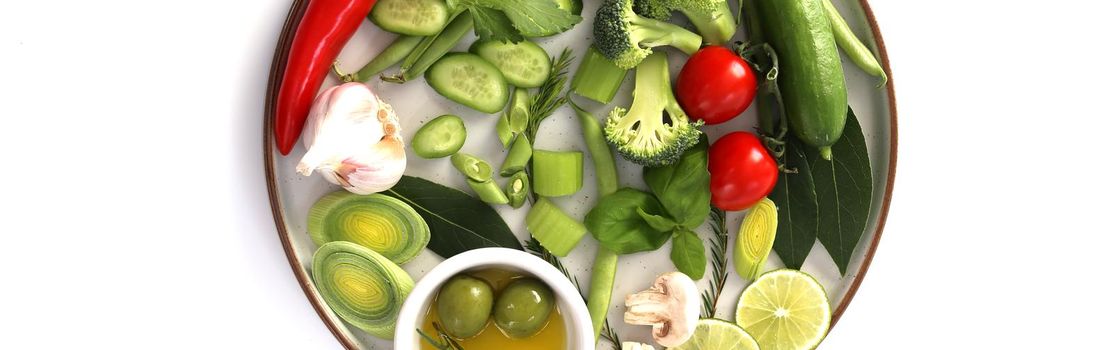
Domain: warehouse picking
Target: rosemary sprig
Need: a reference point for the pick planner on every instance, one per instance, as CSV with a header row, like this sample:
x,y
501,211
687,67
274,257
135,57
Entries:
x,y
534,247
446,342
550,95
718,262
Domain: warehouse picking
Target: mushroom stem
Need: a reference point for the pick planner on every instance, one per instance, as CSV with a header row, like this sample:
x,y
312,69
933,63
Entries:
x,y
670,305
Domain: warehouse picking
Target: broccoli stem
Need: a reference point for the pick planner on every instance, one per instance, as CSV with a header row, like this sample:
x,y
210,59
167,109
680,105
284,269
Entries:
x,y
716,26
653,33
651,79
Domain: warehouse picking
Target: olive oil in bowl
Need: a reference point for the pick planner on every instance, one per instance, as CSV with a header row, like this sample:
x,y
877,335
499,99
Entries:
x,y
552,335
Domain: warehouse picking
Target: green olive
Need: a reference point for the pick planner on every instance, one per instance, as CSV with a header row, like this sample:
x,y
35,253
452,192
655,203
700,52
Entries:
x,y
523,308
440,137
464,305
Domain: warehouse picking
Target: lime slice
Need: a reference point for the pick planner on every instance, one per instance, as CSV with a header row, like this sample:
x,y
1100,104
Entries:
x,y
712,334
785,310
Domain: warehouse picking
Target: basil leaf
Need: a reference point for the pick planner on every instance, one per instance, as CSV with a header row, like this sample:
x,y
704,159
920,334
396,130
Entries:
x,y
843,192
535,18
688,254
492,24
794,195
659,223
458,222
684,187
616,224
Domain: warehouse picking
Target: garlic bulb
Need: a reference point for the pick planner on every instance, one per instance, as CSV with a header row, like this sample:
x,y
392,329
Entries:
x,y
353,140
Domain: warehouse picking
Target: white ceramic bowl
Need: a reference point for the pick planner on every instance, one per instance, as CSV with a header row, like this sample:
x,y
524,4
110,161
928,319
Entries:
x,y
577,322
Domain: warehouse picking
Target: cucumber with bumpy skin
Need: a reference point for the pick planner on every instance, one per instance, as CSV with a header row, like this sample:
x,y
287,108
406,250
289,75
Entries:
x,y
811,77
410,17
524,64
469,80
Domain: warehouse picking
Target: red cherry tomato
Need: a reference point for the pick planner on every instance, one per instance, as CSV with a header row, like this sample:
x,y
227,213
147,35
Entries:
x,y
715,85
742,171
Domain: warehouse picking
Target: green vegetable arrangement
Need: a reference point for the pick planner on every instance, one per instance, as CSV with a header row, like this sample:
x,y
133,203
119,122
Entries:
x,y
823,184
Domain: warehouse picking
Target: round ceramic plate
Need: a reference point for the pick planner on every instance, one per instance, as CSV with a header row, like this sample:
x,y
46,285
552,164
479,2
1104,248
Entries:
x,y
291,195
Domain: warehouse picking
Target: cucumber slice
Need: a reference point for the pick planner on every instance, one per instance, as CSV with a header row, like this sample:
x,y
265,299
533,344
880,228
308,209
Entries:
x,y
523,64
410,17
469,80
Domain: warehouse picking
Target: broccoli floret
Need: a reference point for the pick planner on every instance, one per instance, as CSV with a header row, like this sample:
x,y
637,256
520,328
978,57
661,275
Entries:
x,y
655,131
712,18
626,38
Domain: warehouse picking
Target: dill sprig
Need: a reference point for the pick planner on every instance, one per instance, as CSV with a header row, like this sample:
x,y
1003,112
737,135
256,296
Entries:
x,y
446,342
534,247
550,95
718,262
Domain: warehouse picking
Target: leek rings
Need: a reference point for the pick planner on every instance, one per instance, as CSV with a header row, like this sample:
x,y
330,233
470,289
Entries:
x,y
384,224
755,239
361,286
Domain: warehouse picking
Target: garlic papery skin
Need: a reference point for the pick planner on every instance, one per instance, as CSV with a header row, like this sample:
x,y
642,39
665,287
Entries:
x,y
353,139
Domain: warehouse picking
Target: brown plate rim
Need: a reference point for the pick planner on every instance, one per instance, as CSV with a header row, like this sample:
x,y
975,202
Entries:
x,y
297,9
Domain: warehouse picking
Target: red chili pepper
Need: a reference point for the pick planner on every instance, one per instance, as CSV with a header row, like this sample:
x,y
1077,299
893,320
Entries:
x,y
324,29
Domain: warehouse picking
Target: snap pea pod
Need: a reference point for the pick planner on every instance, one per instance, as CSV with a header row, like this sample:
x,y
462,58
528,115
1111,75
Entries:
x,y
606,180
852,46
402,46
432,48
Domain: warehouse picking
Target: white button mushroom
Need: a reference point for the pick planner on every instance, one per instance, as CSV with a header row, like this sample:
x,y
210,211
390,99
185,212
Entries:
x,y
670,305
629,345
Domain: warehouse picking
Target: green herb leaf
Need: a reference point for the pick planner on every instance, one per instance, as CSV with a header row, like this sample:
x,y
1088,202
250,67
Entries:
x,y
535,17
659,223
458,222
798,217
492,24
688,254
616,224
684,187
844,191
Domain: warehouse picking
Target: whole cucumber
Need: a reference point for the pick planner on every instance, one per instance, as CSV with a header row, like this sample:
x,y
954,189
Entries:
x,y
811,76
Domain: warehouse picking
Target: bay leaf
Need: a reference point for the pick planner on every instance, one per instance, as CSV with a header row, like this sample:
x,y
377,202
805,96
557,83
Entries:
x,y
458,222
843,192
798,216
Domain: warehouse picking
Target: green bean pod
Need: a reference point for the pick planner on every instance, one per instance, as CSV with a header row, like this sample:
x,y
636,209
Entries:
x,y
402,46
471,166
517,189
488,191
432,50
852,46
518,157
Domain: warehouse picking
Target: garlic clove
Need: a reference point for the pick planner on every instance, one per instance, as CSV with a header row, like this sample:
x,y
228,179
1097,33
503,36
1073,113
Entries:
x,y
353,139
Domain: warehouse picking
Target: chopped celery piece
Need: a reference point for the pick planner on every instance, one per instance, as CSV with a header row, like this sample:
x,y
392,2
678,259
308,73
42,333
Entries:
x,y
597,77
471,166
556,231
517,189
557,174
519,156
488,191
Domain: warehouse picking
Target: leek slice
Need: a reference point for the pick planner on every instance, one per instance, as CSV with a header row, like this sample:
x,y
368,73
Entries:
x,y
556,231
755,239
381,223
361,286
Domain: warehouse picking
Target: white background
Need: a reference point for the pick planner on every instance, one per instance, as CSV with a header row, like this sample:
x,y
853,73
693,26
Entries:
x,y
133,212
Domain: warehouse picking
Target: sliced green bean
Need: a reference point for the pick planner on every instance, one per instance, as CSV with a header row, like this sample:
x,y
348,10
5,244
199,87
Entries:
x,y
514,121
518,158
434,49
391,55
488,191
557,174
517,189
852,46
556,231
471,166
